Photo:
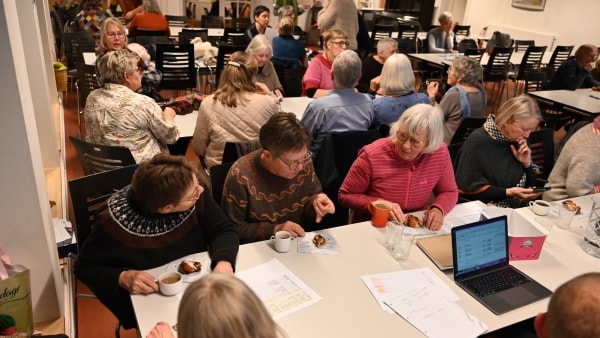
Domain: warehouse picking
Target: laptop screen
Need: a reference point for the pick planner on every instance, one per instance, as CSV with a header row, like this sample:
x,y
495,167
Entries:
x,y
480,246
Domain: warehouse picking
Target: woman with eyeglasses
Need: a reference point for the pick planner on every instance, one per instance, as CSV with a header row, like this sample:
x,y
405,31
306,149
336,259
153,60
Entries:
x,y
405,170
494,165
113,37
235,111
317,79
163,216
116,115
275,188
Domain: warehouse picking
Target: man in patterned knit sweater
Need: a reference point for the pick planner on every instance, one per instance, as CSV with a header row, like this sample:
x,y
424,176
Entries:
x,y
275,188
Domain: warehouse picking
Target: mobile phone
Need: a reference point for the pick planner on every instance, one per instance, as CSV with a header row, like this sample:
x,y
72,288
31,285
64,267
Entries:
x,y
541,189
515,144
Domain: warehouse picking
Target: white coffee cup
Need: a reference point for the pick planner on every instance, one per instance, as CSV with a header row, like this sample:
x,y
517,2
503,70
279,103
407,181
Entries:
x,y
282,240
170,283
540,207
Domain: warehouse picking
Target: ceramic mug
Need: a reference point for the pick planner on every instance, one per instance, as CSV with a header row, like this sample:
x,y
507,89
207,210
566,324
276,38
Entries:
x,y
380,213
170,283
540,207
282,241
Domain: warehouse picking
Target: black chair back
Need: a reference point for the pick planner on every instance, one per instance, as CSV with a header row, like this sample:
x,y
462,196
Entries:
x,y
75,44
218,174
97,158
522,45
465,44
475,53
176,62
225,52
188,34
559,55
541,143
380,31
235,150
466,127
209,21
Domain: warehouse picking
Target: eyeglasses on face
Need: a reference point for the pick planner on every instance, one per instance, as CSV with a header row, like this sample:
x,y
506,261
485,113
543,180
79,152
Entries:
x,y
113,35
341,43
294,165
402,137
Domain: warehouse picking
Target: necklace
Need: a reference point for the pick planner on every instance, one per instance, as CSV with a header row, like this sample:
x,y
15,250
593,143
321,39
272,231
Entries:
x,y
326,55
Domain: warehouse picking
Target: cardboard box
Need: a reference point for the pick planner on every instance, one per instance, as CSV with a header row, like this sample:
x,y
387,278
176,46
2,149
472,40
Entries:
x,y
525,238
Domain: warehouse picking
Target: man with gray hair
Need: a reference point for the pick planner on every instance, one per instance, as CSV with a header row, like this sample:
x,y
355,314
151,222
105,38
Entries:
x,y
441,39
342,109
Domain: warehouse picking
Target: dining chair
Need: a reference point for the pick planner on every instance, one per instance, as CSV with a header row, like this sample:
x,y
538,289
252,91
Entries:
x,y
475,53
87,194
235,36
186,35
223,55
559,55
496,71
96,158
235,150
177,20
466,127
464,30
218,174
466,43
531,62
541,143
380,31
209,21
74,45
87,81
177,64
522,45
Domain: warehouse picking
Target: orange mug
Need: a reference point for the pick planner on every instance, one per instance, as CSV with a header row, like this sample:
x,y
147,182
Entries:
x,y
380,213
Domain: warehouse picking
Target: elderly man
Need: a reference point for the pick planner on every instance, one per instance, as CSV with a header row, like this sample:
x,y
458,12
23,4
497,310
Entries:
x,y
441,39
275,188
372,65
342,109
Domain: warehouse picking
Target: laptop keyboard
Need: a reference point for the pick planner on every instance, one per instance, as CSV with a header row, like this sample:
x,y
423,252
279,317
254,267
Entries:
x,y
493,282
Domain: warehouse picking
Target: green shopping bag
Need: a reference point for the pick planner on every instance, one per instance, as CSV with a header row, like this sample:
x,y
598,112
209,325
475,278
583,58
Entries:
x,y
16,315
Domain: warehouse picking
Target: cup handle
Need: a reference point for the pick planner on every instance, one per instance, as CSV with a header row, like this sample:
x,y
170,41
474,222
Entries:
x,y
272,238
370,207
531,203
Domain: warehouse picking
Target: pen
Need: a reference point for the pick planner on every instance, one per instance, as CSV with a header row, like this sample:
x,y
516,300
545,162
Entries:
x,y
594,97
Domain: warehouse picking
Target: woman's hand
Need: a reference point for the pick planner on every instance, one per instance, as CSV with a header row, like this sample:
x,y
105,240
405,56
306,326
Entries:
x,y
223,267
432,89
433,219
138,282
323,206
396,213
524,193
522,153
161,330
261,87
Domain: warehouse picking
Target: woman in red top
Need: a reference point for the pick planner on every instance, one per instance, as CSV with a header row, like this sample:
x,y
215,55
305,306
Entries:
x,y
151,18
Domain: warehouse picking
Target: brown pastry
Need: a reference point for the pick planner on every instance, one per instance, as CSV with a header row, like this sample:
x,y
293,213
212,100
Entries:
x,y
571,206
187,267
413,221
319,241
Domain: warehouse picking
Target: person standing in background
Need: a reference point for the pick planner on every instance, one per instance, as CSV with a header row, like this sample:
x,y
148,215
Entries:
x,y
340,15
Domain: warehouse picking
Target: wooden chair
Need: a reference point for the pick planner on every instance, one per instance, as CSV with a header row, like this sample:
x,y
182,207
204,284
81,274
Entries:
x,y
85,84
96,158
87,194
466,127
218,174
176,62
496,71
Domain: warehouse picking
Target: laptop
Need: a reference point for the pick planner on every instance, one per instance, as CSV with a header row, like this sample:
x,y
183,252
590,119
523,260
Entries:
x,y
481,268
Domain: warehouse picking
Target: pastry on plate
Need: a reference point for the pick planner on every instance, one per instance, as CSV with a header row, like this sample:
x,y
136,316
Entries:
x,y
187,267
571,206
319,241
413,221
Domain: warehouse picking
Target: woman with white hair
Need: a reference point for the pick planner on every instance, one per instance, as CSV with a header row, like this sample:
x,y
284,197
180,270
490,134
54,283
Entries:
x,y
397,84
261,49
404,170
151,18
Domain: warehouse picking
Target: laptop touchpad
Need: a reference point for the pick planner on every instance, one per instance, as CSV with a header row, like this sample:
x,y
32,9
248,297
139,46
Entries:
x,y
517,296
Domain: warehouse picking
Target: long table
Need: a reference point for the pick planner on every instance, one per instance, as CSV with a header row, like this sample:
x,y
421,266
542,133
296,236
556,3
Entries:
x,y
441,60
581,102
347,308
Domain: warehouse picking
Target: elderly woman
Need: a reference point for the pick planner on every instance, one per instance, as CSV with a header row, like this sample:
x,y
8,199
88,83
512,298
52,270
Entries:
x,y
467,97
574,72
373,64
241,313
404,169
113,37
165,214
317,79
397,85
151,18
260,48
286,47
118,116
494,165
235,112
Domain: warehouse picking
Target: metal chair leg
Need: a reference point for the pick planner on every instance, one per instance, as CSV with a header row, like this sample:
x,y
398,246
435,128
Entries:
x,y
118,330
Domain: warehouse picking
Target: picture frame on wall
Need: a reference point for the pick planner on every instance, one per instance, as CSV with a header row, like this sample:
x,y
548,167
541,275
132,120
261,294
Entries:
x,y
533,5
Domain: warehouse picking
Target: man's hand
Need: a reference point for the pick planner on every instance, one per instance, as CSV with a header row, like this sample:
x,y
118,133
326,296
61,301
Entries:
x,y
138,282
433,219
293,228
323,205
223,267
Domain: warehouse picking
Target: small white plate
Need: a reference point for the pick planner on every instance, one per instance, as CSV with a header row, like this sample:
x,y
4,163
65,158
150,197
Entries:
x,y
199,257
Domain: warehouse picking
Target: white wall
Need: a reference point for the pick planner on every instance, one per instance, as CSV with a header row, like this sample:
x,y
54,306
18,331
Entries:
x,y
571,21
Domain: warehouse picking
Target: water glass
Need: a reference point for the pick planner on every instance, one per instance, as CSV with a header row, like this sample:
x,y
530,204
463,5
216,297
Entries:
x,y
391,229
403,243
565,216
591,239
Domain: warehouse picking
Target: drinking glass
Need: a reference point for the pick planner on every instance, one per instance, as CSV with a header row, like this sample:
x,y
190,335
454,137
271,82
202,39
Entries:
x,y
591,239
